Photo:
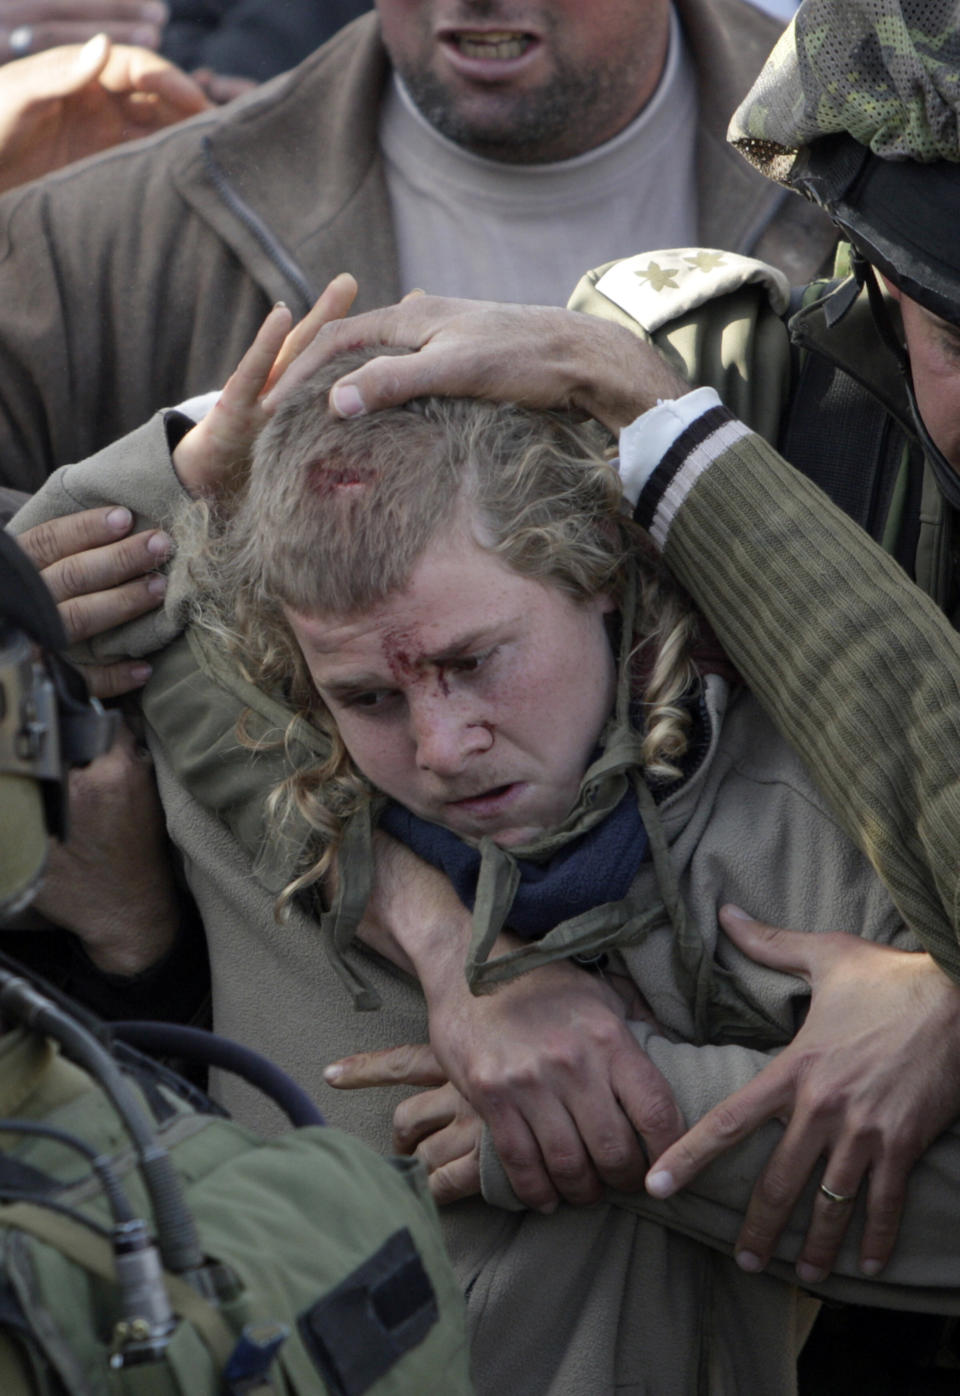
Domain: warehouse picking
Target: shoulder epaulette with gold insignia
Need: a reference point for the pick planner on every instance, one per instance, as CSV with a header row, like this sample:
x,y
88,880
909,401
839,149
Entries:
x,y
657,287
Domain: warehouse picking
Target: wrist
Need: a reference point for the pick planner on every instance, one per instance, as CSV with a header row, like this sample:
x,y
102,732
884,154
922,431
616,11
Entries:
x,y
645,441
127,949
414,917
441,971
444,976
623,378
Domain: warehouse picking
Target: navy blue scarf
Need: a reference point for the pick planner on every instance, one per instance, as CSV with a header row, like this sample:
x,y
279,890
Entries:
x,y
595,868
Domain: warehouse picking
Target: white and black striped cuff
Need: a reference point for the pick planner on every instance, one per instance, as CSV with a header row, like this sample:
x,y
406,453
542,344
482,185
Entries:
x,y
693,452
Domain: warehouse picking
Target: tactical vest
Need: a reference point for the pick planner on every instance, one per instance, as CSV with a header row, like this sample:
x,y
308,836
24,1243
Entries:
x,y
321,1265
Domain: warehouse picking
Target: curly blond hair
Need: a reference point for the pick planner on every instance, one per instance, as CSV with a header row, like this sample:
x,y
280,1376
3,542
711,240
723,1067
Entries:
x,y
335,514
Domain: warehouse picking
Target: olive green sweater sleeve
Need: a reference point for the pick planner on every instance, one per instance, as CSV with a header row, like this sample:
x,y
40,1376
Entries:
x,y
858,668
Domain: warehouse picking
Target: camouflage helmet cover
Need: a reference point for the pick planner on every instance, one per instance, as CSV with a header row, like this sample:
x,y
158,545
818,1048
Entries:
x,y
886,72
858,108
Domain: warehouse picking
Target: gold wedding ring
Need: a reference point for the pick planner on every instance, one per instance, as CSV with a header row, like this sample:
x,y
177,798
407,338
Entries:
x,y
832,1196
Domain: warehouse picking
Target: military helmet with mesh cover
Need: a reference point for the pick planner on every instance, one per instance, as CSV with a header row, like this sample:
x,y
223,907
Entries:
x,y
858,108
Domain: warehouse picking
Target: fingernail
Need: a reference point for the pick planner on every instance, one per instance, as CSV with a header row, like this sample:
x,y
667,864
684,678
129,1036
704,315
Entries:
x,y
810,1274
737,912
660,1184
871,1267
141,672
144,36
548,1209
159,544
157,586
347,401
280,305
332,1074
119,519
749,1262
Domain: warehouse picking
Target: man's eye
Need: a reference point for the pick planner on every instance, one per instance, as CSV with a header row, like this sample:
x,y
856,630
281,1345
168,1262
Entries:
x,y
470,663
369,701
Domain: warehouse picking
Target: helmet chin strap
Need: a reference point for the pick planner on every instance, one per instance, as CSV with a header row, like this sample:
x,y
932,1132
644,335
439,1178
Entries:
x,y
947,478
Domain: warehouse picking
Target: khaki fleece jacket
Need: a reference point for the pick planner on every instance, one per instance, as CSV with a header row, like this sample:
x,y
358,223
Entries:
x,y
138,279
650,1301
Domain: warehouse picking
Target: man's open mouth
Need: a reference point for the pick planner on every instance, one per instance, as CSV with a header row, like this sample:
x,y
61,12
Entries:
x,y
500,44
485,798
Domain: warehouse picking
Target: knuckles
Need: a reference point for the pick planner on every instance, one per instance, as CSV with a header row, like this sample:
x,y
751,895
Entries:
x,y
493,1082
658,1116
450,1185
776,1190
72,575
727,1123
885,1214
109,680
45,543
615,1158
407,1129
567,1167
520,1159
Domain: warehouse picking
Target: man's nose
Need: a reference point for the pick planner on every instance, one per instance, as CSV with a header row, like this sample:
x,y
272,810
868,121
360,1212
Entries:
x,y
447,737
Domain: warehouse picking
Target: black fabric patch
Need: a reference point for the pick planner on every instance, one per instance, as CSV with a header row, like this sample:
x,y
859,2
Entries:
x,y
358,1331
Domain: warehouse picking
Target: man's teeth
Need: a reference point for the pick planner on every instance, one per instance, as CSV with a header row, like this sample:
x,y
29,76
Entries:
x,y
505,45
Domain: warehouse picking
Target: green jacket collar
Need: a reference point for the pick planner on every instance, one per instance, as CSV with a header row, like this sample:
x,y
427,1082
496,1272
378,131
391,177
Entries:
x,y
838,325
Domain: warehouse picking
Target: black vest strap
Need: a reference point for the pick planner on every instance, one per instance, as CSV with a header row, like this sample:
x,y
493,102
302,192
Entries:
x,y
840,437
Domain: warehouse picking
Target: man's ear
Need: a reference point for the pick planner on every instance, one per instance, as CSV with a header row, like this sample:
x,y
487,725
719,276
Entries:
x,y
894,291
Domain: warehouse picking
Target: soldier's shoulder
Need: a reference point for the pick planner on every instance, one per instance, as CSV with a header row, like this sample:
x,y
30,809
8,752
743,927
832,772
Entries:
x,y
654,289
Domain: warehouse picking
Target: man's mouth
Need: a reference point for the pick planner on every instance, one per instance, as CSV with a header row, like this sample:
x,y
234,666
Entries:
x,y
492,45
487,801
